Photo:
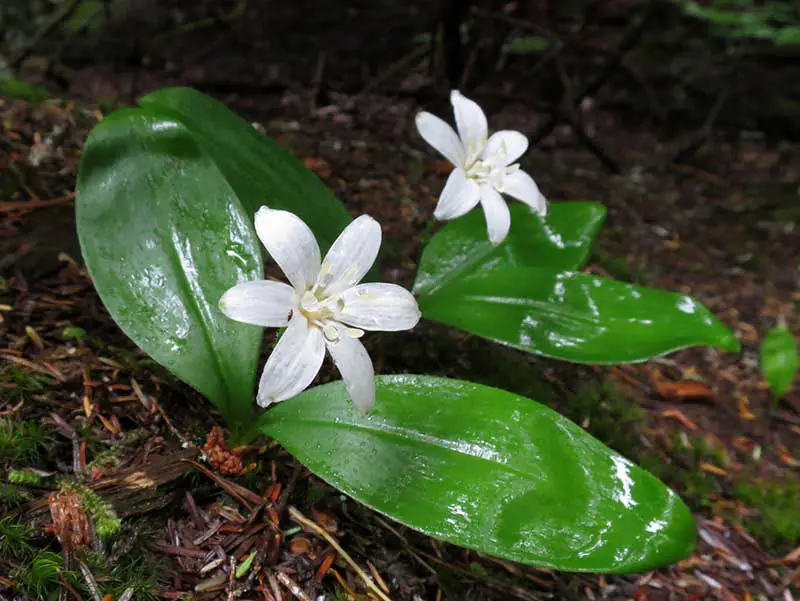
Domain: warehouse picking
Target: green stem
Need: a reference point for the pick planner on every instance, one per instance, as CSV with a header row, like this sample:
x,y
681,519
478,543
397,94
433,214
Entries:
x,y
244,434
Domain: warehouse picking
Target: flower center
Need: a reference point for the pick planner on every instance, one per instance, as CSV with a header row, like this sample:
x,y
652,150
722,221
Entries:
x,y
492,169
323,314
491,172
315,309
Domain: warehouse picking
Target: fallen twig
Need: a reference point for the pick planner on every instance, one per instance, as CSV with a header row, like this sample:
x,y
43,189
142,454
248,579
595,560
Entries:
x,y
292,586
30,205
628,42
61,15
298,517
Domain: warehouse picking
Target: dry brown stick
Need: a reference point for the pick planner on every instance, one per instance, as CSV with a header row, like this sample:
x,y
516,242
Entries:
x,y
67,586
404,62
91,583
61,15
698,138
292,586
316,82
572,114
629,41
247,498
30,205
298,517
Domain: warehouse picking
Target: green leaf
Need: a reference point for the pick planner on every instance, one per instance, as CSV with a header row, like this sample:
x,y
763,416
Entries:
x,y
779,360
258,169
245,566
489,470
561,241
526,45
574,316
164,235
11,87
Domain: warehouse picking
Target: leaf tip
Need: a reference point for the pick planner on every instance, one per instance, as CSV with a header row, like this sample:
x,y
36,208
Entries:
x,y
729,342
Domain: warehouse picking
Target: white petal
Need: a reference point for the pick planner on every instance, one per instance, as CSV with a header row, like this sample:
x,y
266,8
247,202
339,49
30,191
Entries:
x,y
353,362
385,307
290,242
471,124
498,217
441,136
260,303
507,145
459,196
293,364
351,255
521,186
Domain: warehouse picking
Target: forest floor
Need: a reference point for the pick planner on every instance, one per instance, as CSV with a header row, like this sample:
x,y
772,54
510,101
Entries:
x,y
79,404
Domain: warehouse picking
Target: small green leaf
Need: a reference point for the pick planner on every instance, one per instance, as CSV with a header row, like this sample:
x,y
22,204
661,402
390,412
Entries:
x,y
11,87
526,45
489,470
779,360
25,477
574,316
562,240
245,566
73,332
164,235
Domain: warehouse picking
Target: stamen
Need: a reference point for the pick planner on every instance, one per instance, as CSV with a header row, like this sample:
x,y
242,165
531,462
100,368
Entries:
x,y
322,277
331,332
354,333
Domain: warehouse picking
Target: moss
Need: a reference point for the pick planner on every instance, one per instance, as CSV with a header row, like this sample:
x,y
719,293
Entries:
x,y
604,413
135,570
14,540
12,495
106,522
700,489
16,88
20,440
106,459
24,477
776,504
336,594
618,266
710,450
40,578
26,381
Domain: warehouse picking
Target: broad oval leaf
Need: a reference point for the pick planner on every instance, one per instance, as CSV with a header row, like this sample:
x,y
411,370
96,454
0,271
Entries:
x,y
164,235
489,470
561,241
779,360
258,169
574,316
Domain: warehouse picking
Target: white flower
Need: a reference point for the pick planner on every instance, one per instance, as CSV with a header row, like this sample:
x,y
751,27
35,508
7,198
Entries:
x,y
484,167
323,308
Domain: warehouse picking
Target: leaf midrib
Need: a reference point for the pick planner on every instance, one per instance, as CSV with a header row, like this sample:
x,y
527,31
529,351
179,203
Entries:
x,y
397,433
183,282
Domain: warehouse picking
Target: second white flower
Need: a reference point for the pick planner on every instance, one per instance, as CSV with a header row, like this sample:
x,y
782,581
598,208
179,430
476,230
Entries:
x,y
485,167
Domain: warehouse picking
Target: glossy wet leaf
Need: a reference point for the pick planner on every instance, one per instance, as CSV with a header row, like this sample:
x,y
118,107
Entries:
x,y
258,169
574,316
489,470
164,235
779,360
562,241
